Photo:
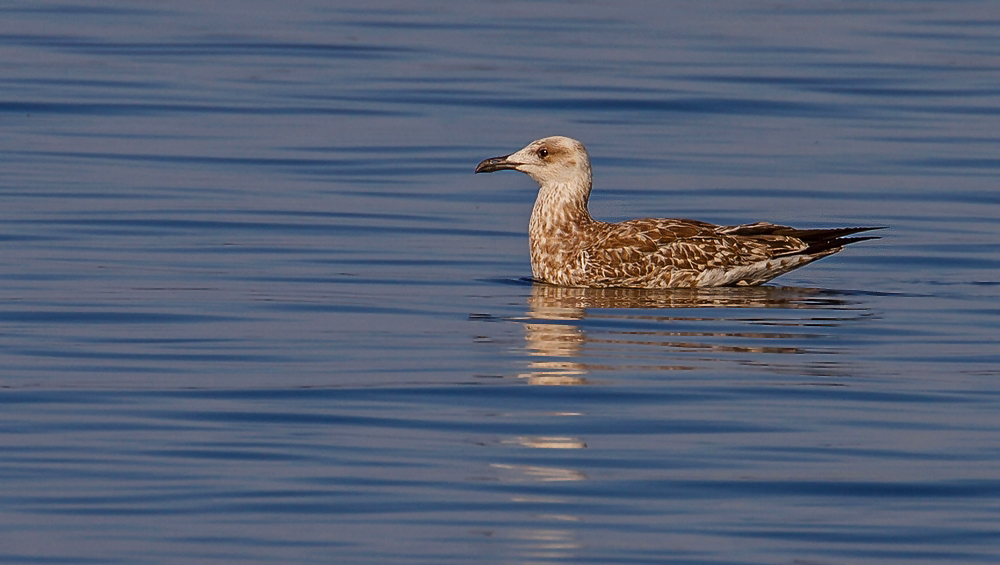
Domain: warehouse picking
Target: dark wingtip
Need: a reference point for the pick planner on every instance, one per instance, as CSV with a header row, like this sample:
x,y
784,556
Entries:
x,y
833,243
847,240
825,234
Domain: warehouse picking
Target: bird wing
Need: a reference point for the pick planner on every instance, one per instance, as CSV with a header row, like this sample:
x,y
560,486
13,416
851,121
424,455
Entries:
x,y
671,253
815,240
687,244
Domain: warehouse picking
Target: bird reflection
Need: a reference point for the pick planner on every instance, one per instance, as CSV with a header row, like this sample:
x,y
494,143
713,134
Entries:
x,y
553,328
571,334
546,298
545,539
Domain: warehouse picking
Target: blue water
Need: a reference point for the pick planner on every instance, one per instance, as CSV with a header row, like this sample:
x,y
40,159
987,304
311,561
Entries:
x,y
255,306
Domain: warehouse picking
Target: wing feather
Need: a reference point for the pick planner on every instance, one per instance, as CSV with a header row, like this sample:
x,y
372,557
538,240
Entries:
x,y
675,252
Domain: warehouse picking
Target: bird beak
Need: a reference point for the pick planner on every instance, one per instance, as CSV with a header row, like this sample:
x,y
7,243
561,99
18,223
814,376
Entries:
x,y
496,164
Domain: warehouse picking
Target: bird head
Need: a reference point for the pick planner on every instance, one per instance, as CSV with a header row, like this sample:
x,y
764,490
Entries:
x,y
552,160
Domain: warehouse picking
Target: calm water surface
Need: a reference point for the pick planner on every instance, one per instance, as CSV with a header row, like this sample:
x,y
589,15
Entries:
x,y
255,307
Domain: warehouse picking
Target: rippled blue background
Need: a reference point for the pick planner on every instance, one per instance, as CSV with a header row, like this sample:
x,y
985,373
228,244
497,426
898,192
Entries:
x,y
255,307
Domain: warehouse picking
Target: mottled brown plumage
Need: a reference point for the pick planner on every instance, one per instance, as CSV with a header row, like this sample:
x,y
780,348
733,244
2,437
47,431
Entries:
x,y
570,248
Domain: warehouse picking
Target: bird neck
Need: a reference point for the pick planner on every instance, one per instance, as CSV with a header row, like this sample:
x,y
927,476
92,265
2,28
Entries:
x,y
558,227
559,206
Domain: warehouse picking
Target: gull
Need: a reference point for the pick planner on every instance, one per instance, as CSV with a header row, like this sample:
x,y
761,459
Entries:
x,y
570,248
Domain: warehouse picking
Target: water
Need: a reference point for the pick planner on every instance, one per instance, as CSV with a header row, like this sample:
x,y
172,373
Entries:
x,y
255,307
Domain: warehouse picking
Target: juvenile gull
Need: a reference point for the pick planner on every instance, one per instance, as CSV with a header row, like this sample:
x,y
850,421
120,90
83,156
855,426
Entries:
x,y
570,248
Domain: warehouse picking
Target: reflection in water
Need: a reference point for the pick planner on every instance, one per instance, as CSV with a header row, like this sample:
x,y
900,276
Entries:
x,y
536,473
572,333
554,331
551,442
571,301
544,542
549,544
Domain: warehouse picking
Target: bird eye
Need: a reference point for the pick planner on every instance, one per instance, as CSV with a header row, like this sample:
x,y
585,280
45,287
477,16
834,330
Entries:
x,y
543,153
